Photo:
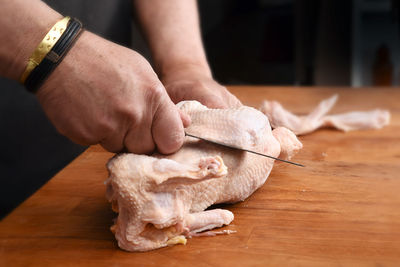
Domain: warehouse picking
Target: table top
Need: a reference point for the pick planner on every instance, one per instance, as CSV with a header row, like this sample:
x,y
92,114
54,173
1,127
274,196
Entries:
x,y
342,209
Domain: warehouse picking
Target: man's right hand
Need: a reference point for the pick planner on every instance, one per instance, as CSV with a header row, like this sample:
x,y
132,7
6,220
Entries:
x,y
108,94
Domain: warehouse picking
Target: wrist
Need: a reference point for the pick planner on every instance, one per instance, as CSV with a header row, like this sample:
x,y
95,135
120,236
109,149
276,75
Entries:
x,y
50,52
182,68
22,33
75,62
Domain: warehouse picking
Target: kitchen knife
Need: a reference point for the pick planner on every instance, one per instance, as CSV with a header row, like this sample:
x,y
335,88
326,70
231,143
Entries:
x,y
243,149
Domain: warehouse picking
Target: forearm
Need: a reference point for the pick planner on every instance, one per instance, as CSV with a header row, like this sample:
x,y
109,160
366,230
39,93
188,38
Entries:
x,y
23,24
173,33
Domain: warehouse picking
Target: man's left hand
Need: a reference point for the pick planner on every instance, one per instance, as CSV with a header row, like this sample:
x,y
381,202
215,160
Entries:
x,y
190,83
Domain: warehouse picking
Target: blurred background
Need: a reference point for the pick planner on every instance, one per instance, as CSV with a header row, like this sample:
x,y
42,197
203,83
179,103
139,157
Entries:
x,y
301,42
254,42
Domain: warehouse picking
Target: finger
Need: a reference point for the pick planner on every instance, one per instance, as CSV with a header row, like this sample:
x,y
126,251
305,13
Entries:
x,y
139,140
176,93
113,144
234,102
186,120
231,99
213,101
167,128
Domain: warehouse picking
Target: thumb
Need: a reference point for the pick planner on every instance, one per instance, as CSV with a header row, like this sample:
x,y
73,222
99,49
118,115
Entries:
x,y
167,127
186,120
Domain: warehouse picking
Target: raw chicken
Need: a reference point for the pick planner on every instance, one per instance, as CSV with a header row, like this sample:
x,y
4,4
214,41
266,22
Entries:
x,y
279,117
161,199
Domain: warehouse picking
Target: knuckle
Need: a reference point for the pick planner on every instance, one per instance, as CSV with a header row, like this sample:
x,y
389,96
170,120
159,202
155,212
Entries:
x,y
89,138
105,126
84,139
154,93
171,142
112,144
129,113
134,115
139,143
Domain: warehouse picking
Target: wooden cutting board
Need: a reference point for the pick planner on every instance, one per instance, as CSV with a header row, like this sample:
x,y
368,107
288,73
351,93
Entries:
x,y
342,209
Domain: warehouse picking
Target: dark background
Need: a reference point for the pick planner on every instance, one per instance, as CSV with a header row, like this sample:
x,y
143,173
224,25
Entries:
x,y
268,42
303,42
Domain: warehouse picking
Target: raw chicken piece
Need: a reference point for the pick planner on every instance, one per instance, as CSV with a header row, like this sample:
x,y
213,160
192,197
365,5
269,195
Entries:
x,y
162,199
358,120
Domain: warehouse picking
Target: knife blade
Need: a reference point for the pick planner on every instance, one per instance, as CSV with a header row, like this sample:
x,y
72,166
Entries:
x,y
242,149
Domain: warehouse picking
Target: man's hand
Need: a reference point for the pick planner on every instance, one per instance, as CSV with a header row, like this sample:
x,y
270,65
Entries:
x,y
192,83
104,93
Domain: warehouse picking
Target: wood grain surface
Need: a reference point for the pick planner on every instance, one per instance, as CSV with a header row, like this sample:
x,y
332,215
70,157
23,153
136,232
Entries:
x,y
343,209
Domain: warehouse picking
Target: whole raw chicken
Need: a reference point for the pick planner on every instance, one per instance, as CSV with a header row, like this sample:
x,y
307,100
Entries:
x,y
162,199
